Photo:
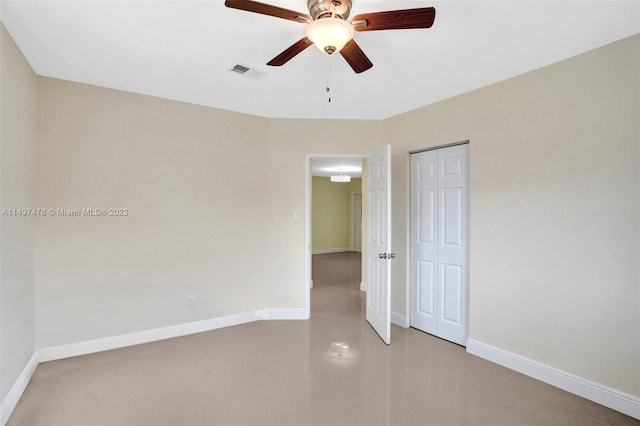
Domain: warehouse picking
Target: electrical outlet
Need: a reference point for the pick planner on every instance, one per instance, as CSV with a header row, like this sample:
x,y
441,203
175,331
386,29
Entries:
x,y
191,302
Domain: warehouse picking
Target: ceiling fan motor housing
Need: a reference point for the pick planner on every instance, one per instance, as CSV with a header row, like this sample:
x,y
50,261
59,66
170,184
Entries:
x,y
323,8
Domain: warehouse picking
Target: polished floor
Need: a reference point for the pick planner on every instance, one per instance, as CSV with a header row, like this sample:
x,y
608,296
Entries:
x,y
285,373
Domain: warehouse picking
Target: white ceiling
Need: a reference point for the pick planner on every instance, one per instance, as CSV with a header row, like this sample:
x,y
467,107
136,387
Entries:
x,y
351,166
183,50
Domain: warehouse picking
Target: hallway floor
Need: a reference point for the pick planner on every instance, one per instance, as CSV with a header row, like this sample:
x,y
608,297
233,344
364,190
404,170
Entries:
x,y
285,373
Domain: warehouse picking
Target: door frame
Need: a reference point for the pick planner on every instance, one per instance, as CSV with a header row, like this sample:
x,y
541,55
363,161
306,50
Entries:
x,y
353,220
308,158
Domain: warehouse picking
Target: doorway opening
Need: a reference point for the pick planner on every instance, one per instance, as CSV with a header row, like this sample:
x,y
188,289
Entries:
x,y
333,217
376,253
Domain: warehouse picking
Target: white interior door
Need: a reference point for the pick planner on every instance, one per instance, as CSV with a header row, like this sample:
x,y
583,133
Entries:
x,y
379,255
439,242
424,247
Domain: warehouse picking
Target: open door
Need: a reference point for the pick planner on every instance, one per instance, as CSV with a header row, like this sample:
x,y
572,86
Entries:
x,y
379,242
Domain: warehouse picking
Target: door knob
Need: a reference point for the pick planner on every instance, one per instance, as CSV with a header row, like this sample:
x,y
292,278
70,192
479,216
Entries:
x,y
387,255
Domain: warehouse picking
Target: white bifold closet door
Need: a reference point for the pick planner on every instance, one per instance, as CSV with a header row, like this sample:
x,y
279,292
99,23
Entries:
x,y
440,242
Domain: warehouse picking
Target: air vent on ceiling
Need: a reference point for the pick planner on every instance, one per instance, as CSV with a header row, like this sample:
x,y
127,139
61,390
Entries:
x,y
248,72
240,69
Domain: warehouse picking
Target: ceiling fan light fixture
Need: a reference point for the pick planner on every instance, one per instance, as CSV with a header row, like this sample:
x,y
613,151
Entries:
x,y
330,34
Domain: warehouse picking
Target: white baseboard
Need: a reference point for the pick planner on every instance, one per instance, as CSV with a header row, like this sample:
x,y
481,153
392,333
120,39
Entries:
x,y
13,396
601,394
400,320
363,286
331,250
137,338
285,314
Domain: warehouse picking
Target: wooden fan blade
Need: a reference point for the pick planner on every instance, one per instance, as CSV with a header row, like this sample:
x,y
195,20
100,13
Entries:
x,y
267,9
395,19
355,57
290,52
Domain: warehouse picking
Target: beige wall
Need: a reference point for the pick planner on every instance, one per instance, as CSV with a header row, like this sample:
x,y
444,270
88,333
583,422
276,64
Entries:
x,y
210,196
554,211
18,126
195,215
332,215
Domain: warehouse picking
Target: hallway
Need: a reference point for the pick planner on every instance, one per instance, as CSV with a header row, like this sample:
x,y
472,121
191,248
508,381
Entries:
x,y
336,286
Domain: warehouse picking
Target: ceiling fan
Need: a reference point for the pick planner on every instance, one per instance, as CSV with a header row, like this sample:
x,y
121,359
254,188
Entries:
x,y
328,29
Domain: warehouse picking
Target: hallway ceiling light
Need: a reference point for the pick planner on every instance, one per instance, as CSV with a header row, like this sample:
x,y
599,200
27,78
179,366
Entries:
x,y
341,177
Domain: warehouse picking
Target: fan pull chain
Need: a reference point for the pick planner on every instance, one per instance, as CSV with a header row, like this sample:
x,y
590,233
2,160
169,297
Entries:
x,y
328,89
332,10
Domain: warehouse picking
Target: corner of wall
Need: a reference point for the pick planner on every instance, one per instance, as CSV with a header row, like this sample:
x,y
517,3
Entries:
x,y
10,401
